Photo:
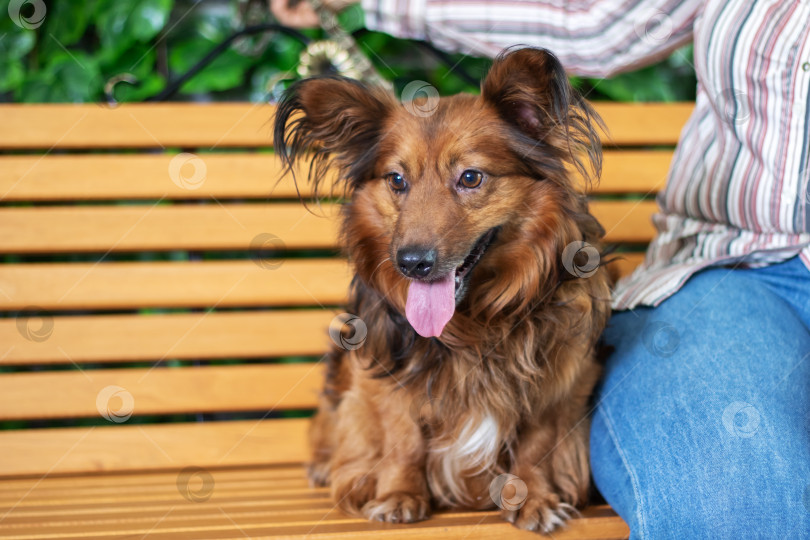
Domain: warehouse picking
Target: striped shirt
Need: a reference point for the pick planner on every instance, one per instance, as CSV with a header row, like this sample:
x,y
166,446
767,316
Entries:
x,y
737,190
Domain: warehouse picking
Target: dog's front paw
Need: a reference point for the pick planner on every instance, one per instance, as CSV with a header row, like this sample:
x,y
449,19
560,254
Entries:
x,y
542,514
397,507
318,473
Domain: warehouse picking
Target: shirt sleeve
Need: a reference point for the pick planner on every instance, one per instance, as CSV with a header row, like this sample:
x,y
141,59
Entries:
x,y
593,38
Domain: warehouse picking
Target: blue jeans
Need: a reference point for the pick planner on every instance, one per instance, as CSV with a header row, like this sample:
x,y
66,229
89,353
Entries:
x,y
702,428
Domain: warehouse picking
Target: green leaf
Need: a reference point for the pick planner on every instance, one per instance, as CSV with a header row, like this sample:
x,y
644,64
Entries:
x,y
121,23
15,42
67,21
11,73
352,18
283,54
139,60
66,78
227,71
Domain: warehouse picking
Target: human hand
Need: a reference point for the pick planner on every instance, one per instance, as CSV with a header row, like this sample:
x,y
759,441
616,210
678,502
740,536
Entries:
x,y
301,14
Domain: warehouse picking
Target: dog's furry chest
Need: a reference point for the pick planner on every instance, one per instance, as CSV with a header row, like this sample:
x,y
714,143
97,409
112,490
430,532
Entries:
x,y
462,460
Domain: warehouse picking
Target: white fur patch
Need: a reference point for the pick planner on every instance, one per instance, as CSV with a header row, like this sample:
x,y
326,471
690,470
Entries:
x,y
479,443
475,450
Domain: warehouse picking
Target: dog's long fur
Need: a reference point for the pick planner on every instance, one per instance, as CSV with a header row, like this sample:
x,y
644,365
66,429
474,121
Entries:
x,y
407,422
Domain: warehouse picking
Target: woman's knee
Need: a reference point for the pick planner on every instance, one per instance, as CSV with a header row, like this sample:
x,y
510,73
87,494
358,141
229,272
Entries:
x,y
701,421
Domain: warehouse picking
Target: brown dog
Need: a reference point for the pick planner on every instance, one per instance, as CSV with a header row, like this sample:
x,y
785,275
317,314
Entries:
x,y
462,222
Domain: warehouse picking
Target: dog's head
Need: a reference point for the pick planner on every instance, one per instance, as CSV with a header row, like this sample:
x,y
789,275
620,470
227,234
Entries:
x,y
464,198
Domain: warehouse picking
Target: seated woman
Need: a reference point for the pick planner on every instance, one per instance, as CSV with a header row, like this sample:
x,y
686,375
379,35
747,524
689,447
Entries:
x,y
703,419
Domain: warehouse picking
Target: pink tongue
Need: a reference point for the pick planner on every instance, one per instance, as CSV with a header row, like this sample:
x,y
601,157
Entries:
x,y
430,306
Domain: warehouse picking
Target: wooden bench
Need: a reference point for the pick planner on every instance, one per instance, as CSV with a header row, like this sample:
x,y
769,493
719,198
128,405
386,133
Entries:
x,y
163,315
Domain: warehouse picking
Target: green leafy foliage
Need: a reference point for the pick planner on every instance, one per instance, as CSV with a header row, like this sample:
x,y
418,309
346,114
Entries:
x,y
80,45
71,77
671,80
15,44
122,23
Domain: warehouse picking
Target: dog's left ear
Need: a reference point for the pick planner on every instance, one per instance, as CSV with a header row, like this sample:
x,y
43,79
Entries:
x,y
334,121
530,90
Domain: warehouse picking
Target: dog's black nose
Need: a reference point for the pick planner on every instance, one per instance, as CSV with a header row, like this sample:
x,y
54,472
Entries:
x,y
416,262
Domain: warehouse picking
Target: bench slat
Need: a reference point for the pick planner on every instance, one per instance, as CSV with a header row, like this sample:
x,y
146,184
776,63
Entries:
x,y
152,447
139,176
122,338
224,227
247,498
233,175
211,521
127,338
644,124
634,171
105,503
623,264
125,285
151,227
27,396
128,485
625,221
192,125
136,125
58,286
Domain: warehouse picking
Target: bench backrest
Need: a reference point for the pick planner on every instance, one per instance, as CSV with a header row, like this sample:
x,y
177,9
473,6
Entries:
x,y
164,303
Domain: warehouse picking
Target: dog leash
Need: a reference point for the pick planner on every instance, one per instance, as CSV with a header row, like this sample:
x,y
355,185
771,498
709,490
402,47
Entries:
x,y
339,53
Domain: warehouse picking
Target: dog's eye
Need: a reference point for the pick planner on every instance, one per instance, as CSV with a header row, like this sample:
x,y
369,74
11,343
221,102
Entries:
x,y
470,179
396,182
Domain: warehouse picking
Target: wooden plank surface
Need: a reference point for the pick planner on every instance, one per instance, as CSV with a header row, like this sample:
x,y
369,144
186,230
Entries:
x,y
60,286
204,335
228,502
623,264
70,177
643,124
159,390
226,227
319,524
634,171
191,125
123,447
231,175
625,221
154,227
136,125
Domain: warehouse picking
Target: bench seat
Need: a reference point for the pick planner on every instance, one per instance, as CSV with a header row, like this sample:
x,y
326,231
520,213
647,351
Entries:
x,y
163,309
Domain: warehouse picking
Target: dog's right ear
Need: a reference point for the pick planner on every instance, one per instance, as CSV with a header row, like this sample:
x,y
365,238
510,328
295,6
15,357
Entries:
x,y
335,121
530,90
